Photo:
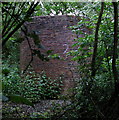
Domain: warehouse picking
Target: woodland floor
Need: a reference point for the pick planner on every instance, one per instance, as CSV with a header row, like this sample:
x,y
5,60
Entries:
x,y
9,110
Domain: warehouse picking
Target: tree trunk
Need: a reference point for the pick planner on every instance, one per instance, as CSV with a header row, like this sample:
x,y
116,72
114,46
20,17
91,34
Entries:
x,y
115,44
93,67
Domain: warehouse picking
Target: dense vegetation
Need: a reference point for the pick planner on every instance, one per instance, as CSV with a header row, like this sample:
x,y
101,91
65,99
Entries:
x,y
97,92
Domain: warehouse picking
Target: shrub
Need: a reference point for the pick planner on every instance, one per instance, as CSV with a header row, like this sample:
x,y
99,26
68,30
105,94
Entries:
x,y
32,86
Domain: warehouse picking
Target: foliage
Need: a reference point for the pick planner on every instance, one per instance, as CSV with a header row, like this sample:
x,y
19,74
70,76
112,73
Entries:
x,y
94,92
14,14
33,86
11,52
96,96
59,8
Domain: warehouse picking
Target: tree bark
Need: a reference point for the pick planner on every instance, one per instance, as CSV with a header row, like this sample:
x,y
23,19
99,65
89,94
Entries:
x,y
115,44
93,66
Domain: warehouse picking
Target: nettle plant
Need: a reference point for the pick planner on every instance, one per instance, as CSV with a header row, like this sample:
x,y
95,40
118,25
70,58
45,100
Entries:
x,y
32,86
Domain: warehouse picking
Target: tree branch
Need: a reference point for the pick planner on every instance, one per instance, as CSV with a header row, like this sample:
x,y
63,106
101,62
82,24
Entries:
x,y
26,36
96,41
29,12
7,19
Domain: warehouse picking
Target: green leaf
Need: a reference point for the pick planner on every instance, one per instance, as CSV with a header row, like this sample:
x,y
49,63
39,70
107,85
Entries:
x,y
20,100
41,56
35,37
49,51
5,71
3,86
29,19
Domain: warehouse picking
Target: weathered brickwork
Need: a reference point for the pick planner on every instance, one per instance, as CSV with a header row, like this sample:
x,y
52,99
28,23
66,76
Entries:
x,y
54,34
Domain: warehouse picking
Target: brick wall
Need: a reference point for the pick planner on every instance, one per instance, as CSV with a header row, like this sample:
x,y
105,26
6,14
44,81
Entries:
x,y
54,34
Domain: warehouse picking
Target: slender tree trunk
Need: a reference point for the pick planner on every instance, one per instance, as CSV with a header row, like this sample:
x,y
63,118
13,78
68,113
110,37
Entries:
x,y
115,44
93,67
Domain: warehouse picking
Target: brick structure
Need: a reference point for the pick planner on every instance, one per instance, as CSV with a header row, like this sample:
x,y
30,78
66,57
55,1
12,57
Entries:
x,y
54,34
